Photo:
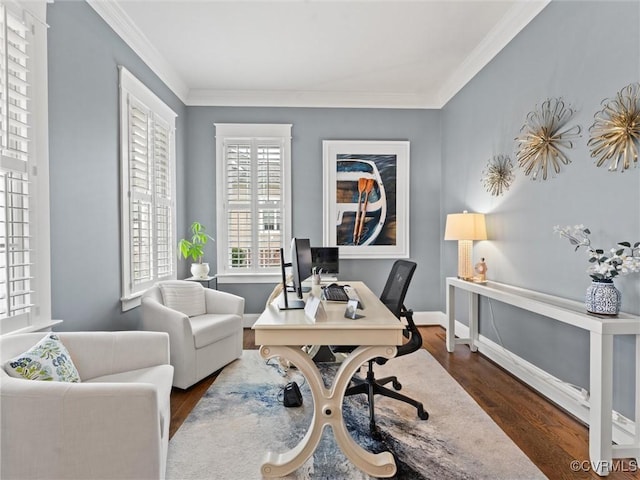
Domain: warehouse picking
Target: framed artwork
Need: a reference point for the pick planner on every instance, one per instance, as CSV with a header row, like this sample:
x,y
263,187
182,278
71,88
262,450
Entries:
x,y
366,198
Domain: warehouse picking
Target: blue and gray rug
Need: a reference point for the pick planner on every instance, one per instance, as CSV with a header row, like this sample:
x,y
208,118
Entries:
x,y
241,417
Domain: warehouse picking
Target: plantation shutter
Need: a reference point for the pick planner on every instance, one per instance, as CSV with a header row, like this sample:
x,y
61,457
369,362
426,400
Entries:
x,y
163,199
254,207
141,194
269,204
16,243
148,158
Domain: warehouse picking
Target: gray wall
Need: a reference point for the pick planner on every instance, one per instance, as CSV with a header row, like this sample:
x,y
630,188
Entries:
x,y
583,52
310,127
84,54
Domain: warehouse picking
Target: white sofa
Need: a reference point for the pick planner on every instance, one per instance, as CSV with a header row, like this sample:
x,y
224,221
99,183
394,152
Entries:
x,y
200,344
112,425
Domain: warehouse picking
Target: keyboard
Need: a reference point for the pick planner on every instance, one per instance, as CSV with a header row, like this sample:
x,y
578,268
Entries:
x,y
339,293
335,293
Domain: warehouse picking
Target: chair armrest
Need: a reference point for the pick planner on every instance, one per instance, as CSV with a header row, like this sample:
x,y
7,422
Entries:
x,y
103,353
415,338
223,302
159,318
80,429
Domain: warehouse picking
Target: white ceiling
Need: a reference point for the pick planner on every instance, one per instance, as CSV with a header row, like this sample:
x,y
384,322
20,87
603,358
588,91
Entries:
x,y
317,53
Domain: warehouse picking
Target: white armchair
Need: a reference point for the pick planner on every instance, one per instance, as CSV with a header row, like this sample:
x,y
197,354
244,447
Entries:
x,y
204,326
114,424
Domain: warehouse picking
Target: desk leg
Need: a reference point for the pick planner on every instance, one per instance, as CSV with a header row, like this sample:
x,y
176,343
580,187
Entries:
x,y
327,411
601,403
473,321
451,320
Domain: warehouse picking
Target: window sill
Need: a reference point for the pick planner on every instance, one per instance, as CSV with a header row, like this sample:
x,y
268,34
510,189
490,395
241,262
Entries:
x,y
131,302
249,278
40,327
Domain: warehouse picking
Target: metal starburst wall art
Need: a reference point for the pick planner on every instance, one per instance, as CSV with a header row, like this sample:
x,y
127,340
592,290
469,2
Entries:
x,y
498,175
615,134
543,137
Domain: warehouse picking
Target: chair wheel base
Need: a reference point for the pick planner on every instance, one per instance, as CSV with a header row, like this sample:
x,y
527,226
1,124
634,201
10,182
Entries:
x,y
422,414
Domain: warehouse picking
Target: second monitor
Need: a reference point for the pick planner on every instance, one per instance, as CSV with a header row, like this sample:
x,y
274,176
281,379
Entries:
x,y
327,259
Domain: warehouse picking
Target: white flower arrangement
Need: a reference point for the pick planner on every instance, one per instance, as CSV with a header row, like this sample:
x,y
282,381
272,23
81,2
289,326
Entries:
x,y
622,260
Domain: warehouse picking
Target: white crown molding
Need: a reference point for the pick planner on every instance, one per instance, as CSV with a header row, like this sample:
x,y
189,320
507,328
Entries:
x,y
125,28
518,17
309,99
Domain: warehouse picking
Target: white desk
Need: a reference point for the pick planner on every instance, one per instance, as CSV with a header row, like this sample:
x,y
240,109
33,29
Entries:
x,y
601,330
282,332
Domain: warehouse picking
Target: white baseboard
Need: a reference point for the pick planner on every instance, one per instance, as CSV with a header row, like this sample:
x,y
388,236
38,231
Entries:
x,y
559,392
429,318
249,319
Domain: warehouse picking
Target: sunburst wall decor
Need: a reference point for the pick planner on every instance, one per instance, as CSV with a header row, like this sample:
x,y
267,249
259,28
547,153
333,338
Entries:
x,y
498,175
543,137
615,134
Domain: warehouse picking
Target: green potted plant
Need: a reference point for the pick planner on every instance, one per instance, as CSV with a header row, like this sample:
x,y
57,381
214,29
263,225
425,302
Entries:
x,y
194,249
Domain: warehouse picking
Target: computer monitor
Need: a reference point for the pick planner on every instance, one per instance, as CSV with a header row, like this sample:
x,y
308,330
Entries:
x,y
300,262
326,258
286,304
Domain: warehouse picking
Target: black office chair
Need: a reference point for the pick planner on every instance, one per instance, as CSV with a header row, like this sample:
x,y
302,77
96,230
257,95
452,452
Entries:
x,y
393,297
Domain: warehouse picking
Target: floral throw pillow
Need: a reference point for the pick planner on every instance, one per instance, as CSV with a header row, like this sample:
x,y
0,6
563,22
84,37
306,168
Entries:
x,y
47,360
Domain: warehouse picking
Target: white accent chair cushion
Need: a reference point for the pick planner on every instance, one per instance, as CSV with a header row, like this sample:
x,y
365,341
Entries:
x,y
185,297
112,425
200,344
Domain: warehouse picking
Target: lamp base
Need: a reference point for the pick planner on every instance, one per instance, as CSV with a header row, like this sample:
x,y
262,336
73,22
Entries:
x,y
465,270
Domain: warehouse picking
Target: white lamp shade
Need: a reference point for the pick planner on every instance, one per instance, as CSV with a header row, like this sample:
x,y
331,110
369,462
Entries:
x,y
465,226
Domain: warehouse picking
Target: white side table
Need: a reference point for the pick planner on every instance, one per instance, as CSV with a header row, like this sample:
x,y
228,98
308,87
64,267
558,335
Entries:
x,y
601,329
206,280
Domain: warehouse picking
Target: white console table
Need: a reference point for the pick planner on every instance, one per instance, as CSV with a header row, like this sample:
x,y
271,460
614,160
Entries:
x,y
601,330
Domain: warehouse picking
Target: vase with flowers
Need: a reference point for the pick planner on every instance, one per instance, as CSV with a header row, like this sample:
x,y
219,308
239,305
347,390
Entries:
x,y
602,296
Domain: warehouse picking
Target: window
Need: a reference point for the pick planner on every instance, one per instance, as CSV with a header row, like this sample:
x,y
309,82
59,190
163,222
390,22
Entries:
x,y
254,218
24,229
148,185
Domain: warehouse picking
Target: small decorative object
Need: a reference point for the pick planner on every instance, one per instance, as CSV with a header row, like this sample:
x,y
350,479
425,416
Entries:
x,y
481,270
602,296
544,135
194,249
498,175
615,133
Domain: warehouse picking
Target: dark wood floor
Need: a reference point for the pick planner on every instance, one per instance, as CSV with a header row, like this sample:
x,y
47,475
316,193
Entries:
x,y
551,438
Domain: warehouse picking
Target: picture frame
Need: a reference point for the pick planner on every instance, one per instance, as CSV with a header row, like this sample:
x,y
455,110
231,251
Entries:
x,y
366,198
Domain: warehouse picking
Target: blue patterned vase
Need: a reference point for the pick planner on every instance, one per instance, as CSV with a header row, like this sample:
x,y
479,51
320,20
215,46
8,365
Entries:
x,y
603,298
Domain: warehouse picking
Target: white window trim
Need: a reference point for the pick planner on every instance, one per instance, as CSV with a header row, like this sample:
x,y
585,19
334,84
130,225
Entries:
x,y
129,84
243,131
40,316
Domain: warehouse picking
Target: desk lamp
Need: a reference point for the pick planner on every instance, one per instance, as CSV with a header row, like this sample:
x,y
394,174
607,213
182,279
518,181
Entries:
x,y
465,227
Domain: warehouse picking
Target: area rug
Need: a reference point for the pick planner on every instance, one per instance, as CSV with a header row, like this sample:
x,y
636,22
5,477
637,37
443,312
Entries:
x,y
241,417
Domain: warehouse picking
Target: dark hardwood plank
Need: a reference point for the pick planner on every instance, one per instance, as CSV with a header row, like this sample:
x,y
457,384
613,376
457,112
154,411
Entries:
x,y
550,437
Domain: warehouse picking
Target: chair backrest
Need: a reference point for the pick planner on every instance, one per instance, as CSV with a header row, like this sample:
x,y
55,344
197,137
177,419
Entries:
x,y
397,285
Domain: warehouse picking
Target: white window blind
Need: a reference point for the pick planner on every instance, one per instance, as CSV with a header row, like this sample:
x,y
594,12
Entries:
x,y
148,158
253,223
16,245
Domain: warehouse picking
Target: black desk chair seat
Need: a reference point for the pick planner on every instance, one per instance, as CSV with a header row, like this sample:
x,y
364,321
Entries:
x,y
393,297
